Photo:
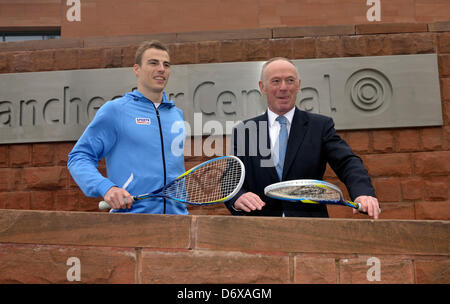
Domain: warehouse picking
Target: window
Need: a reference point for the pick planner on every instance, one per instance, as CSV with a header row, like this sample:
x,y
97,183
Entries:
x,y
29,35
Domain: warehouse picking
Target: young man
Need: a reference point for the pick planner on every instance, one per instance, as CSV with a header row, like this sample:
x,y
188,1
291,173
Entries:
x,y
310,143
134,135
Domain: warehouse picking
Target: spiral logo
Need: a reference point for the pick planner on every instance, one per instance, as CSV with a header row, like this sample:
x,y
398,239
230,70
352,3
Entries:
x,y
369,90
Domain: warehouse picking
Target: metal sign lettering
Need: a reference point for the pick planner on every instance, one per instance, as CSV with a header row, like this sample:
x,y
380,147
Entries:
x,y
357,92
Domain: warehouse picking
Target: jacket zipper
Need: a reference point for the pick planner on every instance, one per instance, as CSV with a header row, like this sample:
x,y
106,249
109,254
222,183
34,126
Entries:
x,y
162,152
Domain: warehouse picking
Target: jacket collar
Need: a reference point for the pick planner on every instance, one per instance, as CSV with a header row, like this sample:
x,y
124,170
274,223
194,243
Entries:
x,y
165,101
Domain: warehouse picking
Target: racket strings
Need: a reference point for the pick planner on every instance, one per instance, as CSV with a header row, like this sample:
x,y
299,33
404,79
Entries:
x,y
209,183
311,192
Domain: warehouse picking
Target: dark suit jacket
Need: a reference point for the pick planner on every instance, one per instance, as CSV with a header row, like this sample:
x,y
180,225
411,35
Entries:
x,y
312,143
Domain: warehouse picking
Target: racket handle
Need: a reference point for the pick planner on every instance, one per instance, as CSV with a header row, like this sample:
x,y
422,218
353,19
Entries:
x,y
103,205
363,212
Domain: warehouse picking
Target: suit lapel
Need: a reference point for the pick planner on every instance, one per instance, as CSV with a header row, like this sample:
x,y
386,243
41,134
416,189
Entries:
x,y
297,133
268,161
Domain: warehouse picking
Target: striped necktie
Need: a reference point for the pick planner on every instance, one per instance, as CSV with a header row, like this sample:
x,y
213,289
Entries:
x,y
281,145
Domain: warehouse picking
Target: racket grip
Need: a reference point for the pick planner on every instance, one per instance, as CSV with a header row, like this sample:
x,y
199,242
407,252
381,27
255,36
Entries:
x,y
103,205
363,212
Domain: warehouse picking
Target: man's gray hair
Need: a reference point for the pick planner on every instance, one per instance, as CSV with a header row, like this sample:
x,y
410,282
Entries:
x,y
272,60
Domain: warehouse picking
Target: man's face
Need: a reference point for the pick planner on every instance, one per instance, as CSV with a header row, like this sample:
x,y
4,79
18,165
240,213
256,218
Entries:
x,y
281,85
154,70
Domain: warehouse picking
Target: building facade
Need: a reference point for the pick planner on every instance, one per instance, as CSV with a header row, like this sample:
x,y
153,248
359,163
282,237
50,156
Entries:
x,y
409,166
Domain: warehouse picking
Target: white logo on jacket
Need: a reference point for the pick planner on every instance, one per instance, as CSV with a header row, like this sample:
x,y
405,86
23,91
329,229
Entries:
x,y
142,121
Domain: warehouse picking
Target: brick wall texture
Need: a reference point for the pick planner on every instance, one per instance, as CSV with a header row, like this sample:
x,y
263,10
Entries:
x,y
409,166
142,17
200,249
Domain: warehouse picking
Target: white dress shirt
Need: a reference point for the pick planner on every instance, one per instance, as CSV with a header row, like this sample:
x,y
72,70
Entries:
x,y
274,127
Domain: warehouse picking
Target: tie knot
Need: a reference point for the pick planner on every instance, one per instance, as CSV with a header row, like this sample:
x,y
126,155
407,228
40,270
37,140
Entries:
x,y
281,120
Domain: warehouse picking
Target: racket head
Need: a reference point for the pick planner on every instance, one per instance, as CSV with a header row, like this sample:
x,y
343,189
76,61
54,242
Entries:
x,y
305,190
211,182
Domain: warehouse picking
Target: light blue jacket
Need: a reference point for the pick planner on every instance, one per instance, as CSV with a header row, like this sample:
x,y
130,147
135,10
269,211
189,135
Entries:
x,y
128,134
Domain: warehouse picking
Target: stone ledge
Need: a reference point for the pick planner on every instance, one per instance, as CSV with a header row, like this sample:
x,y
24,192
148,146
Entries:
x,y
94,229
308,235
324,235
37,247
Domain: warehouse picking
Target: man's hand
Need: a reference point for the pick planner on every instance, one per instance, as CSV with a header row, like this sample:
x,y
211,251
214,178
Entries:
x,y
369,204
118,198
248,202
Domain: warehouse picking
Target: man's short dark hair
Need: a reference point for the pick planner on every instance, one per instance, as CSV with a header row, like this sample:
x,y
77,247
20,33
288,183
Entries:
x,y
153,44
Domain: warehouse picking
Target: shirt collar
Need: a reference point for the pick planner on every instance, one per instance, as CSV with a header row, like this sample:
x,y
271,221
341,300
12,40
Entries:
x,y
272,116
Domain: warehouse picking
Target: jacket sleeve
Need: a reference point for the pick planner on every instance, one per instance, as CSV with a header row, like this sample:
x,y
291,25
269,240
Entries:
x,y
348,166
93,145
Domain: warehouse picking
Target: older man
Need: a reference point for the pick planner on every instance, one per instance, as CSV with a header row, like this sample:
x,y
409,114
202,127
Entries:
x,y
310,142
